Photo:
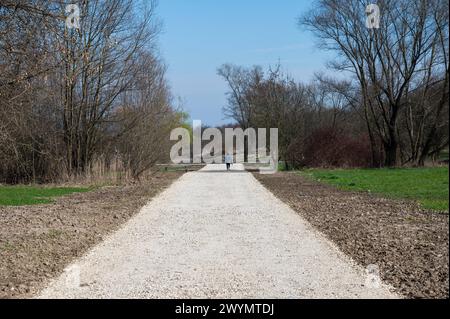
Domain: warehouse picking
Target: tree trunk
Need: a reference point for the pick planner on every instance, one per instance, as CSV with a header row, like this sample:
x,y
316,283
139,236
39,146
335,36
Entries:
x,y
390,151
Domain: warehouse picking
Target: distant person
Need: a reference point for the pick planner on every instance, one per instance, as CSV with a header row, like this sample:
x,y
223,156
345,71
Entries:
x,y
228,161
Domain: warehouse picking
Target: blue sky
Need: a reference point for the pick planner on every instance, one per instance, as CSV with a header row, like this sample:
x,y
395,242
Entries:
x,y
201,35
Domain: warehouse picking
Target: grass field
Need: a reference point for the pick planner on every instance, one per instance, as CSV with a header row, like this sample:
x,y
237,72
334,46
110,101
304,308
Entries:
x,y
32,195
428,186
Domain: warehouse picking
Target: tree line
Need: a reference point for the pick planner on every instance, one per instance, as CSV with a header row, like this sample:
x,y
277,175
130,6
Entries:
x,y
78,99
391,109
75,101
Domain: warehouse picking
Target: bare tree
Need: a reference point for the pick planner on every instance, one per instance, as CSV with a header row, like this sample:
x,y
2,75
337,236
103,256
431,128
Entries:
x,y
62,89
98,66
388,62
238,80
27,121
146,118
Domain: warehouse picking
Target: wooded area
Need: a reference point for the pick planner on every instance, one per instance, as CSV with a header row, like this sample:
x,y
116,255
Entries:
x,y
391,111
94,100
80,101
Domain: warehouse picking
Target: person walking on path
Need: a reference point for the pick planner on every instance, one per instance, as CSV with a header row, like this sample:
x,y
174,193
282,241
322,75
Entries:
x,y
228,161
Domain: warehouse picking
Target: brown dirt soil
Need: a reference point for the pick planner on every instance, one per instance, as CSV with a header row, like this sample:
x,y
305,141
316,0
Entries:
x,y
37,242
409,245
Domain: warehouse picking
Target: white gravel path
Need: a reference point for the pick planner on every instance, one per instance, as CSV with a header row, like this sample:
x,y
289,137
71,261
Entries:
x,y
215,234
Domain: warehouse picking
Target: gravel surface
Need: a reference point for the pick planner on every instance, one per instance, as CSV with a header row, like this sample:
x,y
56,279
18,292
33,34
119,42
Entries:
x,y
409,245
215,234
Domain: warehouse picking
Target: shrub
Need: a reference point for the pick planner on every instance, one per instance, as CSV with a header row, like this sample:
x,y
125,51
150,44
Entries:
x,y
330,147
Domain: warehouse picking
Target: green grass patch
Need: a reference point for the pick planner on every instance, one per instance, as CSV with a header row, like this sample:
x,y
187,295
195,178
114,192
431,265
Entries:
x,y
33,195
428,186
